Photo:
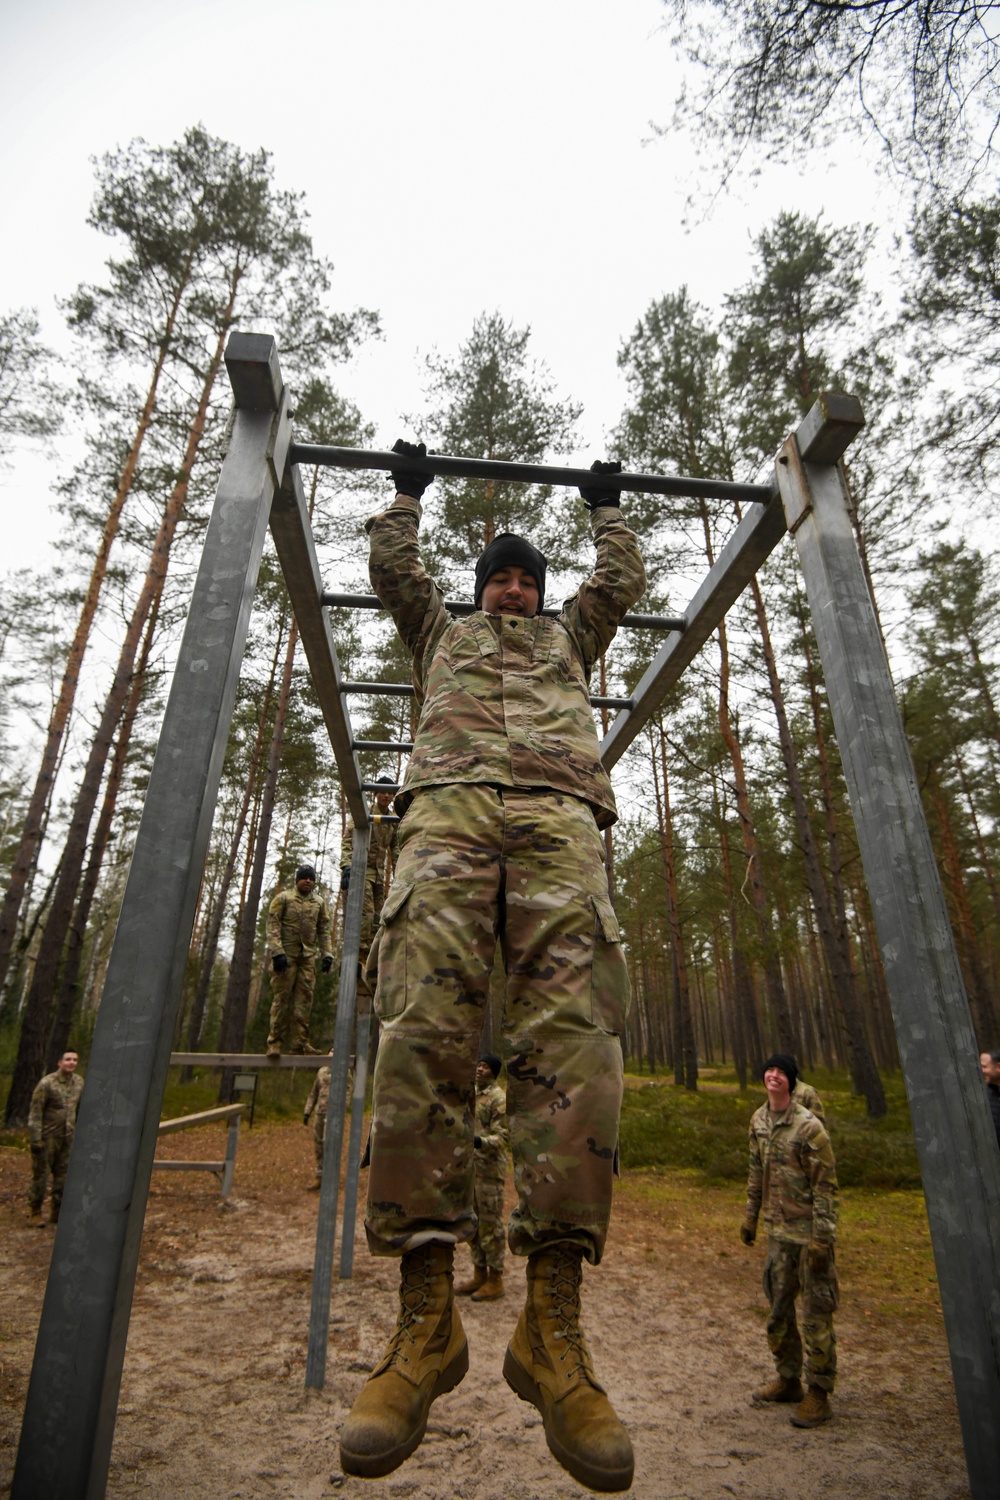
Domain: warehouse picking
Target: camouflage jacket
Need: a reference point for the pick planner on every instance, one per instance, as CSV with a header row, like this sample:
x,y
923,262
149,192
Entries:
x,y
491,1128
298,925
319,1094
806,1095
381,843
54,1105
793,1176
505,699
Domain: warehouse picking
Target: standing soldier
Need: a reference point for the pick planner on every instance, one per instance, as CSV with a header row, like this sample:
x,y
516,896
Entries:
x,y
51,1123
503,802
298,928
381,845
316,1105
793,1177
490,1146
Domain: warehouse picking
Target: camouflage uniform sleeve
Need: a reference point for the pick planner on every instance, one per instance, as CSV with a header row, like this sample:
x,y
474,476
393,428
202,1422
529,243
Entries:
x,y
347,847
323,928
400,580
618,580
755,1179
313,1098
497,1139
274,915
818,1162
36,1113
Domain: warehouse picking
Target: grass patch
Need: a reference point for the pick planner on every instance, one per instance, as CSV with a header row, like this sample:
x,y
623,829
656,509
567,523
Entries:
x,y
706,1131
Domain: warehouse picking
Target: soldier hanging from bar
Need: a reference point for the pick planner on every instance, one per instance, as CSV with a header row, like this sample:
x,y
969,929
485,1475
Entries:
x,y
502,806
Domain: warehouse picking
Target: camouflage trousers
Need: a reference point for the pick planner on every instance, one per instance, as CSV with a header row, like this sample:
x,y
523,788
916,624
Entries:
x,y
291,1004
477,865
786,1273
51,1157
487,1244
319,1136
371,907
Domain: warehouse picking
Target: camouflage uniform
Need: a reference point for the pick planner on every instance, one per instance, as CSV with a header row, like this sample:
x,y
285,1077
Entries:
x,y
381,845
806,1095
490,1155
299,927
316,1105
51,1123
503,798
793,1177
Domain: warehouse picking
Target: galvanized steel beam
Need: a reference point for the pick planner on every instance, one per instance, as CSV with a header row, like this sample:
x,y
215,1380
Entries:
x,y
69,1417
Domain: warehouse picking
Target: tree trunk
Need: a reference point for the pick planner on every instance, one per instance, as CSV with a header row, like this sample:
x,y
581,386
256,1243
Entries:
x,y
32,830
34,1030
864,1073
232,1031
685,1050
69,988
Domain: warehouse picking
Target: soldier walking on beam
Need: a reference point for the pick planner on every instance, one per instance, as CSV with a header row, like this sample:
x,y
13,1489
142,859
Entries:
x,y
502,806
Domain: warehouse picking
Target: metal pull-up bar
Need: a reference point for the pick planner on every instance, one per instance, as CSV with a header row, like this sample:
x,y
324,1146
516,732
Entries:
x,y
463,607
451,467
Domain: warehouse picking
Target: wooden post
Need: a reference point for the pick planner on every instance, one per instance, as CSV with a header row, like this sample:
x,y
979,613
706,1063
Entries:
x,y
69,1418
959,1161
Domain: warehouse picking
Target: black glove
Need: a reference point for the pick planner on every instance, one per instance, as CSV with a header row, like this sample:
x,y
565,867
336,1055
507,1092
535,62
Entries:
x,y
305,1119
748,1232
279,962
345,877
327,962
406,482
594,495
477,1141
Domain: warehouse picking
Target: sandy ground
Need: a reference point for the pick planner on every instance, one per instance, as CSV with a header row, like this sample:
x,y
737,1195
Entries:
x,y
214,1408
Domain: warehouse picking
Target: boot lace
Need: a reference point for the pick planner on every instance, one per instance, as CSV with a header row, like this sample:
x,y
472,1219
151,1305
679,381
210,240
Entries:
x,y
564,1292
414,1299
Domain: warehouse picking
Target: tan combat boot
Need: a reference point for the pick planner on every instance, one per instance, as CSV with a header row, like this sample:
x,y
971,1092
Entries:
x,y
35,1219
274,1049
427,1355
548,1364
491,1289
315,1185
782,1388
814,1410
475,1281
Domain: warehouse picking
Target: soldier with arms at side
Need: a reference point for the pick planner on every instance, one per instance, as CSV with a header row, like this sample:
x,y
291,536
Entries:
x,y
502,806
316,1106
51,1123
298,930
491,1144
793,1181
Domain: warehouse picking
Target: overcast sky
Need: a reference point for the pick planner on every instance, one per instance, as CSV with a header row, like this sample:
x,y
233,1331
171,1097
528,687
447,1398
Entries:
x,y
456,158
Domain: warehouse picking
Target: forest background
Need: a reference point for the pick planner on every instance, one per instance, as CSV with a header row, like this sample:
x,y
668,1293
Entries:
x,y
701,322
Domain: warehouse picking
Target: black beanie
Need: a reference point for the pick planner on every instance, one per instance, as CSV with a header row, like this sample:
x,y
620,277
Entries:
x,y
492,1061
305,872
786,1062
505,551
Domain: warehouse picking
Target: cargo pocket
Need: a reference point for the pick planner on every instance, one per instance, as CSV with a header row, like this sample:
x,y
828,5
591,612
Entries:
x,y
611,987
386,967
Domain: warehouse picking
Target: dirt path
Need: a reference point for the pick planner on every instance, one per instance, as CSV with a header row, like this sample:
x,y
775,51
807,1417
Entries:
x,y
213,1405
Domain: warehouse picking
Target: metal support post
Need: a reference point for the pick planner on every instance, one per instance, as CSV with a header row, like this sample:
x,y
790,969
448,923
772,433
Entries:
x,y
956,1144
69,1417
326,1227
349,1221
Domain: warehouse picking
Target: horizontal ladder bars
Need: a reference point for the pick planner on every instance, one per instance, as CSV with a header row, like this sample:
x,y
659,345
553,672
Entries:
x,y
405,690
518,473
463,607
